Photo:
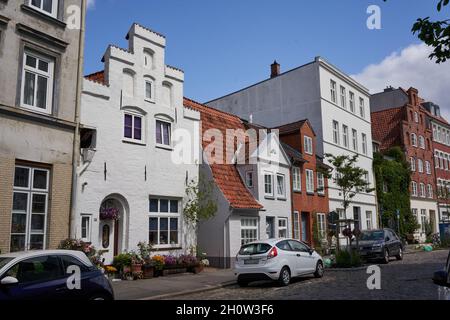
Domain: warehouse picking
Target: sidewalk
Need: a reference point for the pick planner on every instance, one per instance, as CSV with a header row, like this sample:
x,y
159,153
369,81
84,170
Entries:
x,y
171,286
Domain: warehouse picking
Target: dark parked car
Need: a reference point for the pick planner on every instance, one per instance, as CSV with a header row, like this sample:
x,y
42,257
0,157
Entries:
x,y
380,245
48,275
442,278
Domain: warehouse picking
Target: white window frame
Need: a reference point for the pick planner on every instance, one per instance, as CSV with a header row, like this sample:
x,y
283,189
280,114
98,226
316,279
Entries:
x,y
320,183
423,220
283,185
336,138
88,217
420,165
249,227
369,220
362,108
249,182
423,192
414,190
166,215
162,144
150,81
422,142
352,101
414,140
134,115
296,224
308,145
413,164
355,140
30,191
321,225
428,167
343,95
345,136
333,89
267,183
430,191
296,179
309,181
49,75
364,144
283,226
54,12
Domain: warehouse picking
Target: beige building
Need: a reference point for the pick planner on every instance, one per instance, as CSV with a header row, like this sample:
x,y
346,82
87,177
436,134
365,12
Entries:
x,y
40,72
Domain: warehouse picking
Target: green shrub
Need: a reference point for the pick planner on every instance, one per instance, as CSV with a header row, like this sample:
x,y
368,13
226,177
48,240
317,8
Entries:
x,y
122,260
346,259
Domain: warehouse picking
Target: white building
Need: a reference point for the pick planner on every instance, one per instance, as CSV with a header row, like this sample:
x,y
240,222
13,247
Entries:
x,y
129,113
337,107
252,192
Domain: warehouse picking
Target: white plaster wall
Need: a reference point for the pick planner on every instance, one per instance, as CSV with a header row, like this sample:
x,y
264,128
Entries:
x,y
428,206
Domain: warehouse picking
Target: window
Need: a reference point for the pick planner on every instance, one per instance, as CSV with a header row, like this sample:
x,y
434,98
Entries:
x,y
423,220
420,165
249,179
352,102
422,191
37,83
434,132
428,167
281,187
49,7
446,162
430,191
422,142
249,230
416,117
336,132
163,133
268,184
30,206
132,127
149,90
355,140
414,189
436,160
309,181
164,222
38,269
414,140
364,143
308,145
86,228
413,164
148,58
345,135
296,218
320,183
321,225
369,220
362,109
296,179
343,98
282,228
71,261
333,91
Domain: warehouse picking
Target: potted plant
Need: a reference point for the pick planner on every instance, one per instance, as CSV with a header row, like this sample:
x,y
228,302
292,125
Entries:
x,y
148,265
110,272
122,262
109,214
136,262
158,262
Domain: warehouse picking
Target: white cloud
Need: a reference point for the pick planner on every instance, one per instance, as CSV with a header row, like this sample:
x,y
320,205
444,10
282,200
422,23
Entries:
x,y
411,68
90,4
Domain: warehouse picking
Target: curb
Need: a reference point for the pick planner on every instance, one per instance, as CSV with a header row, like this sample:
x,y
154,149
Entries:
x,y
345,269
183,293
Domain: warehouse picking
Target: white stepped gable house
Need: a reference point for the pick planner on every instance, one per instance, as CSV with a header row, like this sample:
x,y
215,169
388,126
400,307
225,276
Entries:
x,y
129,112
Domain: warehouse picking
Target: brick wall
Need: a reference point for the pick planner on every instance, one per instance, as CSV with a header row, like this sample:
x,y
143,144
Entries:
x,y
6,198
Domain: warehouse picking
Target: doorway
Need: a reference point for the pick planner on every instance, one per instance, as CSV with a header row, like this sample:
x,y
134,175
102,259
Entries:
x,y
305,227
270,227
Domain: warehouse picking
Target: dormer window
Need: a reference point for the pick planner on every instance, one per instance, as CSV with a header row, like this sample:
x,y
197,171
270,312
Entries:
x,y
49,7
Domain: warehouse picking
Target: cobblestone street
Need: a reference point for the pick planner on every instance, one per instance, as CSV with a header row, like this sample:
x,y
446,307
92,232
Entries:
x,y
408,279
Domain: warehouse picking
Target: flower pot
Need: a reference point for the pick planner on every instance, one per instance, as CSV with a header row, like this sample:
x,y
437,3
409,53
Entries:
x,y
126,269
136,268
148,271
197,269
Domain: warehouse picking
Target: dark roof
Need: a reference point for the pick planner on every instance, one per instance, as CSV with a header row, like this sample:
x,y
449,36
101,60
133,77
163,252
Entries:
x,y
294,155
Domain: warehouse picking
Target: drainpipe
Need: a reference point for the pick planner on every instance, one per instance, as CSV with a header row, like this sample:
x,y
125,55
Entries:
x,y
76,140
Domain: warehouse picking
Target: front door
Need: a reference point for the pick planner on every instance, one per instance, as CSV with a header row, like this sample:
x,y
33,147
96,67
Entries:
x,y
305,224
116,237
270,227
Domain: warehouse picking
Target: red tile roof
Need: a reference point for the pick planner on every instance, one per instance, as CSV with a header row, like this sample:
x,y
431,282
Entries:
x,y
386,127
98,77
226,176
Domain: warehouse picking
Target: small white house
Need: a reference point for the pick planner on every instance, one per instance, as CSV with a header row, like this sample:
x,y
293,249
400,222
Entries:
x,y
252,192
131,113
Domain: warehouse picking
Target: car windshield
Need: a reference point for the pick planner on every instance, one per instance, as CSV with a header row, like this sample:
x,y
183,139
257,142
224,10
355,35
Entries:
x,y
372,235
256,248
4,261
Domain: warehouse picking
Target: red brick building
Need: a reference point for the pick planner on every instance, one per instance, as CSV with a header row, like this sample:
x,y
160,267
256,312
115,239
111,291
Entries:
x,y
400,119
310,201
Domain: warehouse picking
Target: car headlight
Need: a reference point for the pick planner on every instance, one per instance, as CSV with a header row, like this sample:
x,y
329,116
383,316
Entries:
x,y
377,246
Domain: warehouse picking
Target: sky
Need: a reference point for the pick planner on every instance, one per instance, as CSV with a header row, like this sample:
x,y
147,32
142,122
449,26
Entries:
x,y
225,45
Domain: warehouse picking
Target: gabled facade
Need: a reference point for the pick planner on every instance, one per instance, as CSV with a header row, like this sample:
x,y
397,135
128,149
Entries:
x,y
131,115
40,81
399,119
310,202
250,187
337,108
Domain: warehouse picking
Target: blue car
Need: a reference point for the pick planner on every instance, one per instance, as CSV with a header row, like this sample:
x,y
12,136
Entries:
x,y
52,275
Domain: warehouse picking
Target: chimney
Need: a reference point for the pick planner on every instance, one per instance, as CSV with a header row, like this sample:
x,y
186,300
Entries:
x,y
275,69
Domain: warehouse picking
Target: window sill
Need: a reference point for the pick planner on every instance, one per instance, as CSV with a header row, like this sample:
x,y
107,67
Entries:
x,y
44,16
282,199
150,101
168,247
269,197
139,143
310,193
297,191
164,147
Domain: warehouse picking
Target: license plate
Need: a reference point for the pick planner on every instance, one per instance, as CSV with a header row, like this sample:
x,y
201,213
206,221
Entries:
x,y
251,261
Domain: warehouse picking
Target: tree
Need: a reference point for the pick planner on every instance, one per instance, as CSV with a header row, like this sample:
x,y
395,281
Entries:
x,y
200,205
393,180
435,34
349,178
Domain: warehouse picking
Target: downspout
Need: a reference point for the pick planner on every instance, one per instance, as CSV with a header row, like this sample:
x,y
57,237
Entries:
x,y
76,140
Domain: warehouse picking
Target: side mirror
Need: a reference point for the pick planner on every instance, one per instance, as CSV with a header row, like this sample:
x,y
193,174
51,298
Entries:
x,y
440,278
9,281
311,251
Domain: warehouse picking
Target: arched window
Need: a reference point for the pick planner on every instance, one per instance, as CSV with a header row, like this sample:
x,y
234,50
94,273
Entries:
x,y
149,58
149,88
166,94
128,83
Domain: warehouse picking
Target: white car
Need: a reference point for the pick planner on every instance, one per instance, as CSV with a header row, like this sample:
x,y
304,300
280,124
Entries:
x,y
278,260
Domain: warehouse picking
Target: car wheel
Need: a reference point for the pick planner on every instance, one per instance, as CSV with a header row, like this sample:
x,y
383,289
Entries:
x,y
400,254
285,277
319,270
386,256
242,283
